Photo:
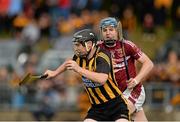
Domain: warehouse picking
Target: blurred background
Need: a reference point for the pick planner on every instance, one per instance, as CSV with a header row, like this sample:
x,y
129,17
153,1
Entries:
x,y
35,35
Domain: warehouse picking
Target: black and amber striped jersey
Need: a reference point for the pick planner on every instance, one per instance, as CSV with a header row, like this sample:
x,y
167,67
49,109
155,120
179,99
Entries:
x,y
101,63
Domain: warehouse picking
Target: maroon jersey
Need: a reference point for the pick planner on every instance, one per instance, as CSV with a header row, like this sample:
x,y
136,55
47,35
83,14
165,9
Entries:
x,y
132,54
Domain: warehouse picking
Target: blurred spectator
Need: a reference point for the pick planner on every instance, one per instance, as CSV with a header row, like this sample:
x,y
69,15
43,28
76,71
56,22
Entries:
x,y
41,7
173,68
4,18
64,6
16,7
15,78
128,21
60,85
78,6
158,73
30,67
148,27
18,98
5,87
18,95
73,80
55,14
29,36
30,33
161,11
86,18
4,5
76,21
115,10
143,7
96,17
175,101
65,26
31,64
166,3
168,71
94,5
118,6
44,23
48,101
148,23
83,104
175,13
19,22
28,8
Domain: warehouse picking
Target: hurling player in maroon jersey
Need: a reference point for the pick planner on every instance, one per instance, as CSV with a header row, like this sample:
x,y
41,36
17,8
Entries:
x,y
124,54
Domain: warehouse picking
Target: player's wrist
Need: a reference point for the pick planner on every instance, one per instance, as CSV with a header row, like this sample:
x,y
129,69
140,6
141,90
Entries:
x,y
79,70
135,81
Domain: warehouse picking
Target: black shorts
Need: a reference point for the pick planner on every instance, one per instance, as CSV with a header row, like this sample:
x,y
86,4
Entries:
x,y
109,111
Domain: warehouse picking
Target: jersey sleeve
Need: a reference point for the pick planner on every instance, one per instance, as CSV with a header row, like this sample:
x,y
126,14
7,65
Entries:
x,y
103,64
133,50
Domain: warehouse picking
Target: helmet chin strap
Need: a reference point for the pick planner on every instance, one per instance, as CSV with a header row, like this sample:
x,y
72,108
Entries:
x,y
110,43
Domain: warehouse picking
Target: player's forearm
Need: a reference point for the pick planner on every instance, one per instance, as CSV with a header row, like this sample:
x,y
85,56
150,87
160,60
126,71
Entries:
x,y
96,77
145,69
60,69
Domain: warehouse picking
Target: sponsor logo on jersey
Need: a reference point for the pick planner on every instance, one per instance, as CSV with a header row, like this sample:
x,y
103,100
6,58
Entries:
x,y
89,83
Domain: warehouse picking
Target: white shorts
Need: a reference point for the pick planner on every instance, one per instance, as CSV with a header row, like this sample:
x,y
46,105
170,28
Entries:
x,y
137,97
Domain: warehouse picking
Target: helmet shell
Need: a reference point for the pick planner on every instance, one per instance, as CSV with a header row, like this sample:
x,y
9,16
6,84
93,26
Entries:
x,y
85,35
109,21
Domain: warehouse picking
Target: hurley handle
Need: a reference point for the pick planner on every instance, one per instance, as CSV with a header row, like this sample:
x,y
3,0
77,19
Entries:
x,y
44,76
